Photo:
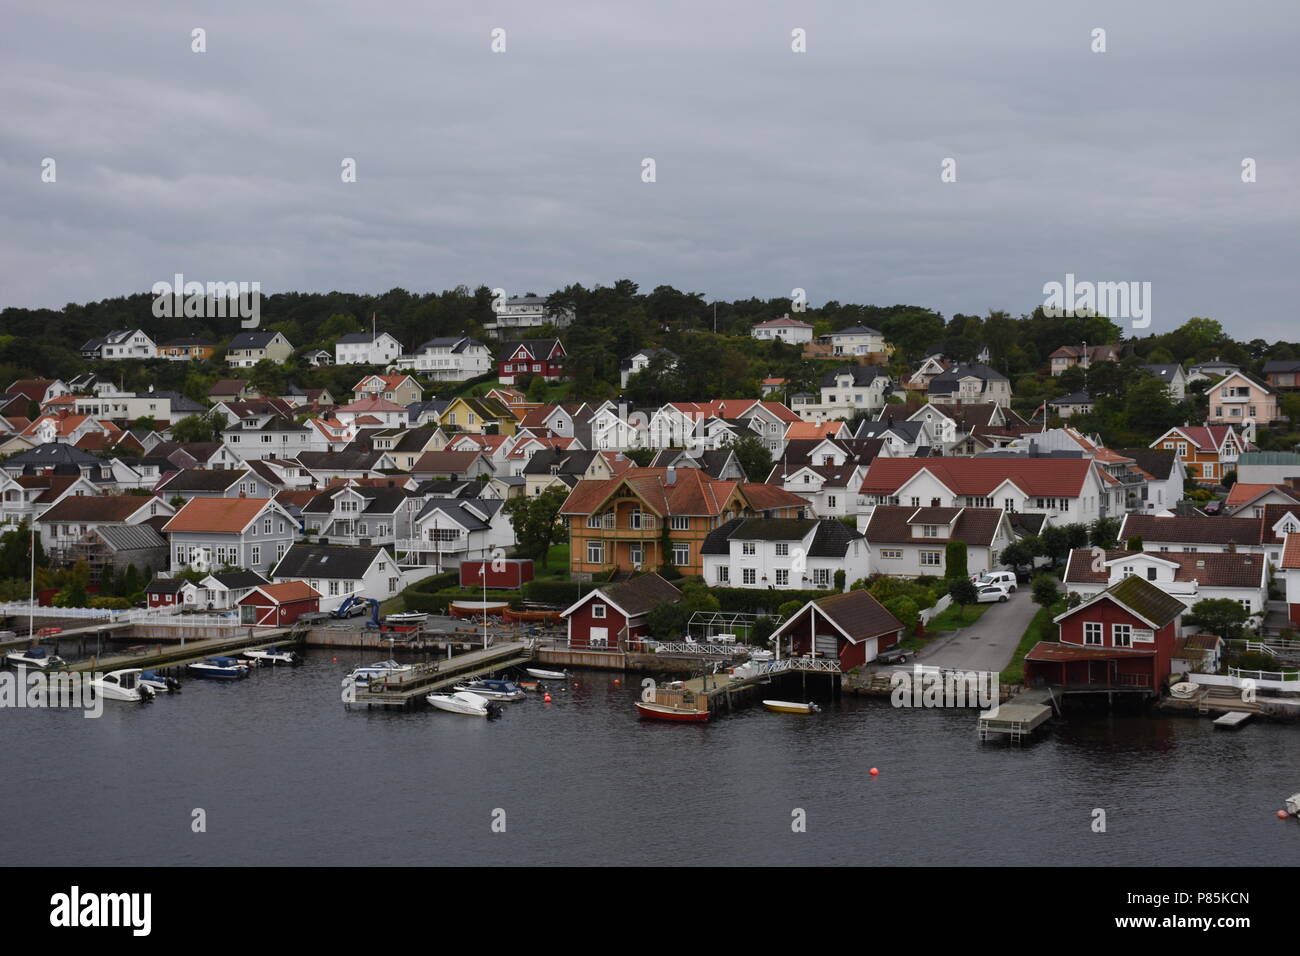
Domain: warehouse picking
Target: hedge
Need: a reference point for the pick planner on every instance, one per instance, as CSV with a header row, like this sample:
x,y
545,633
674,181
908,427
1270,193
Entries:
x,y
763,600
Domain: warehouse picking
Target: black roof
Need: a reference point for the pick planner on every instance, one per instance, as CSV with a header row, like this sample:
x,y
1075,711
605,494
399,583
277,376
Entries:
x,y
326,561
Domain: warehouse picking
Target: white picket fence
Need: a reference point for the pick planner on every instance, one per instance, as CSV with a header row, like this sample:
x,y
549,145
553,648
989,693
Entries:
x,y
940,606
129,615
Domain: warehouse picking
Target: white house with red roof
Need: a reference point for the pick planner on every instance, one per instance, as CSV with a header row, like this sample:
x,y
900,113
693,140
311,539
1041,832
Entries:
x,y
402,389
372,413
1066,490
1189,576
784,329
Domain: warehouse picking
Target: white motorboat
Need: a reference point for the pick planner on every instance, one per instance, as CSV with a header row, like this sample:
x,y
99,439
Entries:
x,y
1293,804
122,685
368,672
37,657
406,619
272,655
761,656
494,689
546,675
463,702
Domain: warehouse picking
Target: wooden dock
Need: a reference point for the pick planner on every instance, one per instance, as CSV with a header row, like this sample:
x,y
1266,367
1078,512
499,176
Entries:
x,y
1019,717
153,656
1232,719
407,689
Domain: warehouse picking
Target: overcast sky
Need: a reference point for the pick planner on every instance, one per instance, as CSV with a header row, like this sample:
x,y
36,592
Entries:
x,y
775,169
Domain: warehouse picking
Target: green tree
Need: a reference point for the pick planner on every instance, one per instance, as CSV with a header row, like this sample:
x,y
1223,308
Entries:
x,y
753,455
1104,533
537,521
963,593
1018,554
192,428
955,560
1045,590
1221,616
905,609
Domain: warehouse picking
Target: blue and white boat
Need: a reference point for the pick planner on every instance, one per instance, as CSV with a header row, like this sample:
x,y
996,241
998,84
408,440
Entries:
x,y
37,657
220,668
159,683
493,689
367,672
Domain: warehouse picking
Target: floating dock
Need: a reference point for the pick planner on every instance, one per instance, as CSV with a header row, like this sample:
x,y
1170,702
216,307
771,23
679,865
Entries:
x,y
1019,717
1232,719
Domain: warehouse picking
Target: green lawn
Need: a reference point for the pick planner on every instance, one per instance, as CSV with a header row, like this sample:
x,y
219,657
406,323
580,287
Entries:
x,y
557,560
1040,628
955,617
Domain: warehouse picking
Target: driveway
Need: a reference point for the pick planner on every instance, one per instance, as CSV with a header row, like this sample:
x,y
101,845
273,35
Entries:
x,y
989,643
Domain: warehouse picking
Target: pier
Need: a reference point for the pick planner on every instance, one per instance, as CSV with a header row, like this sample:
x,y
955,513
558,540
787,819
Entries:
x,y
725,691
1019,717
154,656
404,690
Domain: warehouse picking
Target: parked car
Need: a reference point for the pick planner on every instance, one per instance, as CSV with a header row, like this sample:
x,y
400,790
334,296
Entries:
x,y
895,655
990,593
1005,578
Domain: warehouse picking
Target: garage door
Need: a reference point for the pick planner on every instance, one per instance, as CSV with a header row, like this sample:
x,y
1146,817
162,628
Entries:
x,y
827,646
599,636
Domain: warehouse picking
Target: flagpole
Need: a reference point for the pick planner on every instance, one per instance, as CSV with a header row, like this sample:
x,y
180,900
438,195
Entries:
x,y
31,592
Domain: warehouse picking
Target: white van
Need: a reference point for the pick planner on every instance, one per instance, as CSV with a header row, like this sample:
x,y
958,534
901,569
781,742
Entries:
x,y
1005,578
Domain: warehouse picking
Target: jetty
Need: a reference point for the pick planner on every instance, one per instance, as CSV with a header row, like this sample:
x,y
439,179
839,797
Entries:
x,y
724,691
1019,717
1232,719
405,689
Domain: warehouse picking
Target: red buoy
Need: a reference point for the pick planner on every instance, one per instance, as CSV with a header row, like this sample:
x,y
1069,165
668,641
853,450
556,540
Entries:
x,y
1282,814
547,698
874,772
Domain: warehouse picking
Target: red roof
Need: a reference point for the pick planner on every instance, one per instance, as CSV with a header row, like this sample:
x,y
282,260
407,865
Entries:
x,y
1291,551
217,515
284,593
1048,477
692,493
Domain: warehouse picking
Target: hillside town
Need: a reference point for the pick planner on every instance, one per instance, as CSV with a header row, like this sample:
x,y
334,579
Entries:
x,y
931,467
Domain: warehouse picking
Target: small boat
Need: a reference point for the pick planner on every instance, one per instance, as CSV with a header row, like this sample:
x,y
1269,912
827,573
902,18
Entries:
x,y
220,668
546,675
122,685
493,689
760,657
272,655
411,619
368,672
37,657
159,683
664,712
791,707
1293,804
463,702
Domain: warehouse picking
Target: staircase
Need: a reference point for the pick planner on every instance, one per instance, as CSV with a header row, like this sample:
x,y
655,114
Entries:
x,y
1225,698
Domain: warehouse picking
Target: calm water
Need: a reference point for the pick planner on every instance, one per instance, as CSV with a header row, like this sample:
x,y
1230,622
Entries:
x,y
288,776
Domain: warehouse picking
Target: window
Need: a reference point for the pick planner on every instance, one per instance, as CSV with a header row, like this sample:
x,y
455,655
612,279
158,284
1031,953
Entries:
x,y
595,552
931,559
257,554
1122,635
334,588
593,521
1151,574
681,554
782,578
680,523
830,501
890,554
1092,632
821,577
266,526
931,531
782,549
598,610
747,548
724,574
748,576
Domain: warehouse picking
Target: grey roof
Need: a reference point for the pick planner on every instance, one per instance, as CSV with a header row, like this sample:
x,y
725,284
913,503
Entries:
x,y
252,340
164,586
946,382
53,453
235,580
568,462
456,343
340,460
326,561
1165,373
359,338
1278,365
910,431
857,330
379,501
862,375
202,479
181,403
451,488
1074,398
832,539
459,510
131,537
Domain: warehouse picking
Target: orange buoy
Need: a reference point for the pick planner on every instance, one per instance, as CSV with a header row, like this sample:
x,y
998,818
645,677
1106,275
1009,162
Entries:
x,y
1282,814
334,660
874,772
547,698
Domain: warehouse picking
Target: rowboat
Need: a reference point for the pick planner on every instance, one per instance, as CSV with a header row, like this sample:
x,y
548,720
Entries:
x,y
545,675
664,712
791,707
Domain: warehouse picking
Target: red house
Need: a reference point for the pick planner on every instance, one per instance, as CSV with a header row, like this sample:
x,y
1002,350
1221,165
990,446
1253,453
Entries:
x,y
1121,640
510,573
852,628
544,357
275,605
163,592
610,617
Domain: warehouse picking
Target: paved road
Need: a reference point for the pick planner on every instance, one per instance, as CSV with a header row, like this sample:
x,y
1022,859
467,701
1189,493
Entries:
x,y
989,643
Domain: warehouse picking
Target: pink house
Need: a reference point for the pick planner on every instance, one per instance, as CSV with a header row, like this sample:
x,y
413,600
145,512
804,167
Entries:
x,y
1238,399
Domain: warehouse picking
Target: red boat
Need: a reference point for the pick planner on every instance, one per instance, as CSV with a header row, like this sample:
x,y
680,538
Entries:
x,y
664,712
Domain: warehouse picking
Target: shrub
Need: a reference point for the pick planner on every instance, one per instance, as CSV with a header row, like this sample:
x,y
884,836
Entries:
x,y
905,609
110,603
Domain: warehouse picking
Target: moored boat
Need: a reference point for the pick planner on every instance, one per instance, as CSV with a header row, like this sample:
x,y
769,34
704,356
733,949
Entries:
x,y
546,675
1293,804
463,702
493,689
159,683
365,673
272,655
219,668
791,707
122,685
37,657
665,712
